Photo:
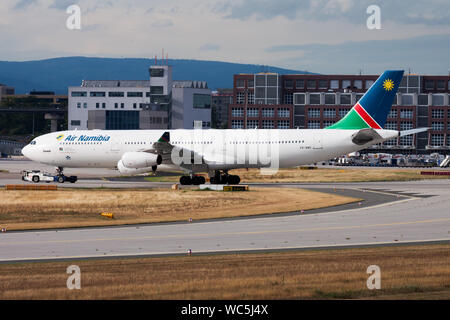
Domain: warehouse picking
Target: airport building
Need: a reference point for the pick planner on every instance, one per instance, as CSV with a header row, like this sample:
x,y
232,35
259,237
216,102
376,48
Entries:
x,y
6,91
158,103
191,102
270,100
10,147
220,102
40,96
41,105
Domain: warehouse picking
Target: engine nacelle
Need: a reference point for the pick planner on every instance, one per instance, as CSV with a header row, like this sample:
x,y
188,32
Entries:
x,y
139,160
132,171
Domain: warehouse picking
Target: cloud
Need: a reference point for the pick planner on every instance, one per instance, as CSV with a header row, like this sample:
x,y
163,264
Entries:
x,y
22,4
164,23
263,9
87,6
91,27
63,4
283,32
371,56
210,47
428,12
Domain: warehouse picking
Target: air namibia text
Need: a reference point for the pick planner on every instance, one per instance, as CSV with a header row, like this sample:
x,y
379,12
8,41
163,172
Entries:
x,y
83,138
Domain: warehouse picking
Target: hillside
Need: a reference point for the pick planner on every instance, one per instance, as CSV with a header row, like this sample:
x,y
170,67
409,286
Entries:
x,y
59,73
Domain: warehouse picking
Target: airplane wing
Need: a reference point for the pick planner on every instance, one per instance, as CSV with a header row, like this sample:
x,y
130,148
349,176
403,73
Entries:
x,y
163,145
164,148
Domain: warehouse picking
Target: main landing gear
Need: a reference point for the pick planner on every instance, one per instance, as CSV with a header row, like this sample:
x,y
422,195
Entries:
x,y
61,178
224,178
215,177
189,180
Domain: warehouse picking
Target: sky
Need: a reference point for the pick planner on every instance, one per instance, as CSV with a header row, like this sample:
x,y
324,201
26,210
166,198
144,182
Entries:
x,y
324,36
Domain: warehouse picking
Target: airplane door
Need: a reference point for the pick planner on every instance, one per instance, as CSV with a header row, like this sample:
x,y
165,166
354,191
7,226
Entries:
x,y
317,141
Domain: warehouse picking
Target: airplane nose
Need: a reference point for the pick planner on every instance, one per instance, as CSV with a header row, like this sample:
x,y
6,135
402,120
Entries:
x,y
26,151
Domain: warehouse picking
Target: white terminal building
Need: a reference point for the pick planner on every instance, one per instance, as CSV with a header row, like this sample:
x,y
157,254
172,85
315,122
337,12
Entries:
x,y
158,103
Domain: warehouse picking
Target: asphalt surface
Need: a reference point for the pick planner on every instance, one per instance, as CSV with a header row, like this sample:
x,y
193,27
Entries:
x,y
418,212
390,213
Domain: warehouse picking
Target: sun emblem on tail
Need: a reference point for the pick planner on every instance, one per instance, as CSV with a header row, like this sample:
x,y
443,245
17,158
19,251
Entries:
x,y
388,84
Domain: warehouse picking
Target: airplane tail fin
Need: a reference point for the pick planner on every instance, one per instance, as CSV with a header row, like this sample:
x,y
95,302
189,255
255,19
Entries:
x,y
372,109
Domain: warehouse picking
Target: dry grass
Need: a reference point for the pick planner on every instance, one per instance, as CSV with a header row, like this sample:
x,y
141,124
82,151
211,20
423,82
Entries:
x,y
73,207
334,175
407,272
321,175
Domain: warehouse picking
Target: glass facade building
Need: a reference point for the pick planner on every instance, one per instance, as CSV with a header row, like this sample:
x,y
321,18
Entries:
x,y
316,101
122,120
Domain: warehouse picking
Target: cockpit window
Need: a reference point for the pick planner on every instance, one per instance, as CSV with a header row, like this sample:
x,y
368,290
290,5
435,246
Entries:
x,y
33,142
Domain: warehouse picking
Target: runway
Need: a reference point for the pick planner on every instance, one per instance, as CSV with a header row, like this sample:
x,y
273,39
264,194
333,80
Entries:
x,y
420,213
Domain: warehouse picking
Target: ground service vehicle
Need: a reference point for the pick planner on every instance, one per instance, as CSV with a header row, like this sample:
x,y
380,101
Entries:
x,y
37,176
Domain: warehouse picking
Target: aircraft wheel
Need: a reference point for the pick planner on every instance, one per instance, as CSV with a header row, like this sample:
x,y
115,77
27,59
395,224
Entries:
x,y
185,180
224,179
197,180
73,179
233,179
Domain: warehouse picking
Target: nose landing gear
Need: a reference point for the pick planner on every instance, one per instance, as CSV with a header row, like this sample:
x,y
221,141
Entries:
x,y
61,178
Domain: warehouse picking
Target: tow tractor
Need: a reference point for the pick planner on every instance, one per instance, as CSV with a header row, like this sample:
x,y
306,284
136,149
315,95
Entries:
x,y
37,176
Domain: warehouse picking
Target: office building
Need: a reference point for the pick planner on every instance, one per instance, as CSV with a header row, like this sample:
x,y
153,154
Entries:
x,y
270,100
6,91
220,104
158,103
191,101
40,105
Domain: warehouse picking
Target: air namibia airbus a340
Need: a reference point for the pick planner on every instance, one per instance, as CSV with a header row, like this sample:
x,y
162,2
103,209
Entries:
x,y
218,151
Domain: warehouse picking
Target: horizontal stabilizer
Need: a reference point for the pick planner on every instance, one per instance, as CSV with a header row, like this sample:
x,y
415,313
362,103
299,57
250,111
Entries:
x,y
445,162
412,131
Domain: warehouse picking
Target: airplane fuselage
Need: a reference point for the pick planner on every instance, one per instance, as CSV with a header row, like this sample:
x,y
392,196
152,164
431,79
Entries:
x,y
224,149
217,150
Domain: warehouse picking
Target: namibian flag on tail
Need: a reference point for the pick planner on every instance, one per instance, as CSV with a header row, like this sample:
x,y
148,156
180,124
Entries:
x,y
372,109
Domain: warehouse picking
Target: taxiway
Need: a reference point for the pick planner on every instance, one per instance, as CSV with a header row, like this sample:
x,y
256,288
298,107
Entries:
x,y
418,212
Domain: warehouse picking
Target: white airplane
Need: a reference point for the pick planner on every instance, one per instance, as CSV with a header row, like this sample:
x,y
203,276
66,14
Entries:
x,y
217,151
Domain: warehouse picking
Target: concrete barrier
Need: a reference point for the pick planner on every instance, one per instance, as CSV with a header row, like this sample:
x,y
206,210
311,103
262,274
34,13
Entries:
x,y
239,187
224,187
51,187
435,173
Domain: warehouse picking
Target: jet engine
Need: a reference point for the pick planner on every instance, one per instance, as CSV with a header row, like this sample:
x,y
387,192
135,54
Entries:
x,y
138,162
